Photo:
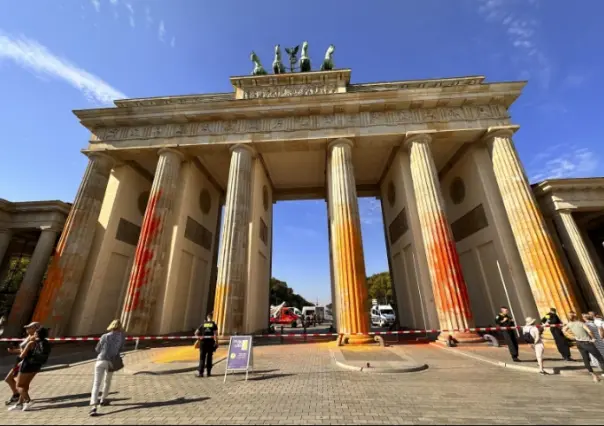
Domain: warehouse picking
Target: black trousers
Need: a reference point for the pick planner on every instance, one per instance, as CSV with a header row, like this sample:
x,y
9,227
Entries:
x,y
586,348
206,352
510,339
561,343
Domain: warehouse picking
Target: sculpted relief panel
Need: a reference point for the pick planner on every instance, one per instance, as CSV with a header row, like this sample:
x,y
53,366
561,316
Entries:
x,y
309,122
289,90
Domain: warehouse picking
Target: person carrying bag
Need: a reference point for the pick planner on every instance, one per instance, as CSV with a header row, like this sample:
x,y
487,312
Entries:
x,y
108,361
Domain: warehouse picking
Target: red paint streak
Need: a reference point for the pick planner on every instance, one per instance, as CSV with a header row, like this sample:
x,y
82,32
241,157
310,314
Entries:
x,y
144,253
448,273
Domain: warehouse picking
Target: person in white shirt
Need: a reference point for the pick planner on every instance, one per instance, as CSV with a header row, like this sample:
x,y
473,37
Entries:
x,y
532,335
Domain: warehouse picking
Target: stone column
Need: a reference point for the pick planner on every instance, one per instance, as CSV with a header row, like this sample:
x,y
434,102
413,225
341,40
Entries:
x,y
579,255
549,283
349,263
152,251
5,237
232,264
448,284
71,256
24,304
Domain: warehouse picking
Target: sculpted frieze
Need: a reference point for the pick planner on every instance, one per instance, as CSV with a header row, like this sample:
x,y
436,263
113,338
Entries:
x,y
289,90
310,122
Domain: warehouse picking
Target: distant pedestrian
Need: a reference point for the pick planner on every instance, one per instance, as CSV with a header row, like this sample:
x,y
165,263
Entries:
x,y
585,343
532,335
555,322
30,329
33,356
505,320
108,361
207,342
598,320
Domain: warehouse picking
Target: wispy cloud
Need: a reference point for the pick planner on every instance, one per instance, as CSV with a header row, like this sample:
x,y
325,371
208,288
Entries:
x,y
113,2
36,58
370,211
162,30
563,161
96,4
148,17
173,42
522,31
131,16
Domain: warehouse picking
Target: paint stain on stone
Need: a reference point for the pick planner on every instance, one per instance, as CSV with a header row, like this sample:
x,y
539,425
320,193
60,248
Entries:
x,y
144,254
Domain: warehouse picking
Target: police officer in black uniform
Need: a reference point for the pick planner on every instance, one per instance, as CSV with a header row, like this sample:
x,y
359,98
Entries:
x,y
553,319
505,320
208,336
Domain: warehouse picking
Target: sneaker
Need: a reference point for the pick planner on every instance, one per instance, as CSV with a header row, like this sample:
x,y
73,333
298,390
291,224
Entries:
x,y
199,375
15,407
543,373
104,403
92,411
27,406
13,399
516,359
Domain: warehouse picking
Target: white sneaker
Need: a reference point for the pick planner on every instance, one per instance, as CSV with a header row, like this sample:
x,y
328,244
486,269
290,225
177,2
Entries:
x,y
15,407
27,406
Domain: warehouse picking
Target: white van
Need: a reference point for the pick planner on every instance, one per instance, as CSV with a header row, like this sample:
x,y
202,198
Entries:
x,y
382,315
309,311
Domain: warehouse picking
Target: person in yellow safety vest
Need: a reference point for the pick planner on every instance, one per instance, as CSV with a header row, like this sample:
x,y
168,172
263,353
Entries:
x,y
207,333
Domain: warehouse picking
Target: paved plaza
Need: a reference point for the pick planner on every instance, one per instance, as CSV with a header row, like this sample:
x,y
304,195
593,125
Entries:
x,y
300,384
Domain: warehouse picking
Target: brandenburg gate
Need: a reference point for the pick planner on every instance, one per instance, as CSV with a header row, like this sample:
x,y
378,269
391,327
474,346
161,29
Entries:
x,y
145,242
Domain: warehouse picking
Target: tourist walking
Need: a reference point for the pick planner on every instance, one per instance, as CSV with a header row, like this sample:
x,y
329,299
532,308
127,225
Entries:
x,y
108,361
207,343
30,329
33,356
505,320
553,320
532,335
585,343
598,334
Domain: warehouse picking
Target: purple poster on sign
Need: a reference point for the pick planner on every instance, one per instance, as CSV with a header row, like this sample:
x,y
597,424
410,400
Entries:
x,y
240,350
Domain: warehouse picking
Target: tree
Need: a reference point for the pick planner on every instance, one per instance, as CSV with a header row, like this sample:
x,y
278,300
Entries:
x,y
379,286
280,292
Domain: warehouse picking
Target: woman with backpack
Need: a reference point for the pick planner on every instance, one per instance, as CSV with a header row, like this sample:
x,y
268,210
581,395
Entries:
x,y
33,357
532,335
107,362
11,377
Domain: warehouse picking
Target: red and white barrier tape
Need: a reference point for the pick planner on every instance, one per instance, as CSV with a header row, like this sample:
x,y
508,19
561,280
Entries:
x,y
288,335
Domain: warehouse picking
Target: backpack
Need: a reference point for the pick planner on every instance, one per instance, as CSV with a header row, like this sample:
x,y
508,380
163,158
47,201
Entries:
x,y
528,338
40,352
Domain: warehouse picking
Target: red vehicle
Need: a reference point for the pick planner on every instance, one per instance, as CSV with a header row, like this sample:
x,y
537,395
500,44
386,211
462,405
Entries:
x,y
285,316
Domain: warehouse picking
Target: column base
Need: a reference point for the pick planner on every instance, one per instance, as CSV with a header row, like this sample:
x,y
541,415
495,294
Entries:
x,y
359,340
461,337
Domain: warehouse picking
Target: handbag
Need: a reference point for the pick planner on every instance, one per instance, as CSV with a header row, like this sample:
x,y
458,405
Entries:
x,y
116,363
196,345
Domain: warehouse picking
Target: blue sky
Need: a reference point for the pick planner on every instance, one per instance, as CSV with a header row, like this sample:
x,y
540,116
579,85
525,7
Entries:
x,y
56,56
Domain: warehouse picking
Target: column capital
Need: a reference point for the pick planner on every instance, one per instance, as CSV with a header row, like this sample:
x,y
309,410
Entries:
x,y
340,141
175,151
499,132
420,137
244,147
565,210
101,156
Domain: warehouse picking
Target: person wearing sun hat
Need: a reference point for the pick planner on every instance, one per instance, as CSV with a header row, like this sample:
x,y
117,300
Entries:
x,y
30,329
532,335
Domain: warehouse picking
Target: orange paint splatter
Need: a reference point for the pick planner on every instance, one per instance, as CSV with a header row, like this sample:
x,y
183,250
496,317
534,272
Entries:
x,y
145,252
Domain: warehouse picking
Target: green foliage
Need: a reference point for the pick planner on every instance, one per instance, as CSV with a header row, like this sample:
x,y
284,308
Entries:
x,y
280,292
379,286
11,282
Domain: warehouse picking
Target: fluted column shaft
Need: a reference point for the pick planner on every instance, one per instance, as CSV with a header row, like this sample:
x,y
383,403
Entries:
x,y
71,256
579,255
448,284
231,281
5,237
349,263
25,298
546,275
151,256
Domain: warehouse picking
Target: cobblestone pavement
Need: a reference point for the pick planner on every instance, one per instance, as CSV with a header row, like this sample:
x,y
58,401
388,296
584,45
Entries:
x,y
298,384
